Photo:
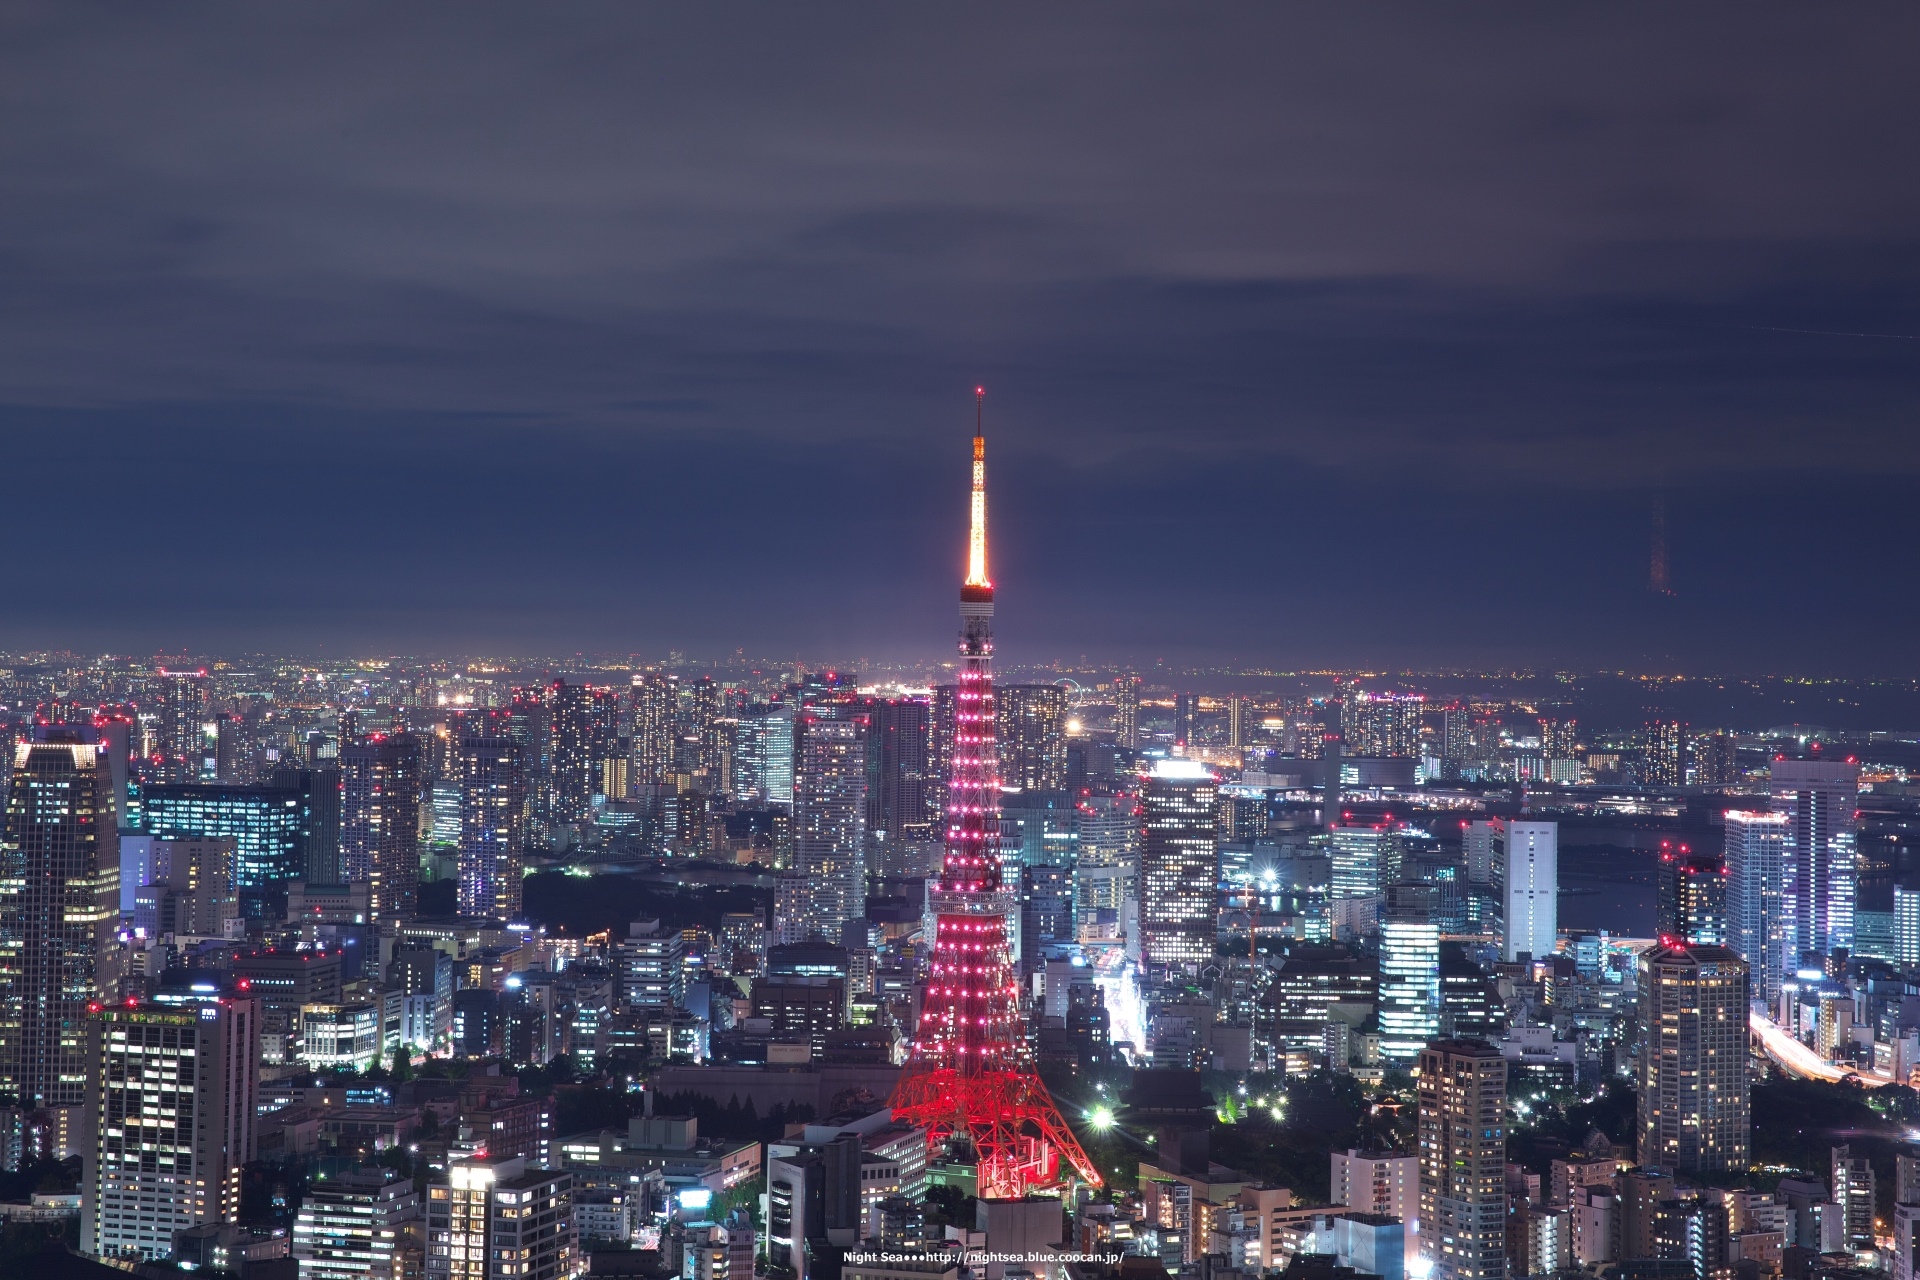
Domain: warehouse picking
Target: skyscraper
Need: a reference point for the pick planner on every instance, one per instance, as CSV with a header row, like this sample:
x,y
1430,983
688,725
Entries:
x,y
183,708
970,1075
1664,759
59,902
1179,865
1756,858
169,1122
1239,722
1361,856
1693,896
1409,972
584,734
500,1220
492,779
1463,1160
380,821
656,699
1529,854
763,756
1032,727
897,769
830,819
1818,798
1126,710
1186,710
1693,1110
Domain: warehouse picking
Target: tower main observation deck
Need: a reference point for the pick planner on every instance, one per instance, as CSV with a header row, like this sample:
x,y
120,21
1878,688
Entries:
x,y
970,1078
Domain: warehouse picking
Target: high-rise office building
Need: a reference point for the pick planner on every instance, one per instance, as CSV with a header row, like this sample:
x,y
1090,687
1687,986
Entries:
x,y
529,721
492,783
1664,755
1239,722
1362,856
380,821
1477,848
283,829
350,1226
1692,898
501,1220
1853,1191
1179,865
585,731
898,775
1463,1160
1031,720
1528,853
1409,1006
704,714
1906,927
1126,711
830,818
1716,760
1456,736
656,701
1756,858
179,730
59,902
169,1122
1186,712
1819,799
1693,1111
763,756
1384,724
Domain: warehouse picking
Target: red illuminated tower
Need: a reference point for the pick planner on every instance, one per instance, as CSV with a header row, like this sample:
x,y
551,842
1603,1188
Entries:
x,y
970,1078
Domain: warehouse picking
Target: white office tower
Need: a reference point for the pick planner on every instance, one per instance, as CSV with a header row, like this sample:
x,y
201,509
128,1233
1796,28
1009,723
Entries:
x,y
169,1123
1819,799
350,1225
1756,853
500,1220
1409,973
1529,854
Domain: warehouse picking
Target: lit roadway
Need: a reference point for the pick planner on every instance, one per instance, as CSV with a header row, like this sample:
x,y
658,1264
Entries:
x,y
1798,1060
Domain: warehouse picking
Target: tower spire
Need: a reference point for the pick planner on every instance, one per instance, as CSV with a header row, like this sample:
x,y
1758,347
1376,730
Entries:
x,y
977,531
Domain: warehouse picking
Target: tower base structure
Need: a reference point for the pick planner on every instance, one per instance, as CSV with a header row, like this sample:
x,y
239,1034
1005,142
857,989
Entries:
x,y
1019,1140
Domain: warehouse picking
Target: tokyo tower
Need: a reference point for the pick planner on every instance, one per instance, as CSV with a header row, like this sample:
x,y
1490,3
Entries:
x,y
970,1077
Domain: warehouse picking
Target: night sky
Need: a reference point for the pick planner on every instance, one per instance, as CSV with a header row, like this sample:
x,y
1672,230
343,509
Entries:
x,y
1312,335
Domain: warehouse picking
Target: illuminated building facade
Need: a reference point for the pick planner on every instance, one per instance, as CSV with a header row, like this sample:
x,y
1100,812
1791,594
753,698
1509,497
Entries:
x,y
183,707
584,736
1693,1110
500,1220
970,1075
169,1126
59,902
1528,854
1126,711
1030,723
493,825
1664,758
656,700
1693,896
1463,1160
1819,799
350,1226
830,819
1179,865
1756,858
1409,973
380,821
272,826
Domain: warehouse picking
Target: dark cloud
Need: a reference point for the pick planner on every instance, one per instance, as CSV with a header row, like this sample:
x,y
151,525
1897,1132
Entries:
x,y
1363,333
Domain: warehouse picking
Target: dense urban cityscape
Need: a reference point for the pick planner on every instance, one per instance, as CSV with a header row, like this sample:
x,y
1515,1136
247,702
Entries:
x,y
851,641
398,967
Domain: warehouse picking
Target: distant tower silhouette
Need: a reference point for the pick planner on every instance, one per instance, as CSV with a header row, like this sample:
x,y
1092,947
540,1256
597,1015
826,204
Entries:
x,y
970,1079
1657,563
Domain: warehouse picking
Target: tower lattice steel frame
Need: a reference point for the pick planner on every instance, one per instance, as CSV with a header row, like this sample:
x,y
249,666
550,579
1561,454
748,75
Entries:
x,y
970,1077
